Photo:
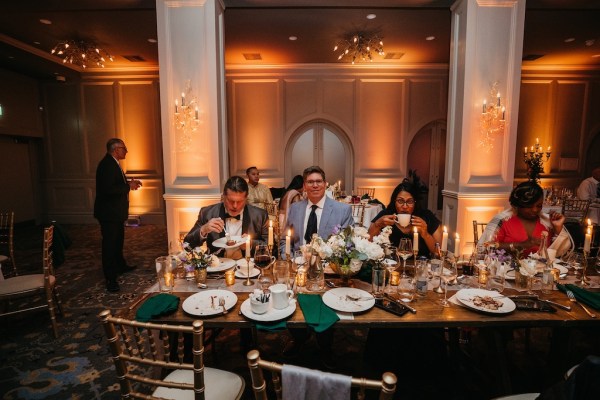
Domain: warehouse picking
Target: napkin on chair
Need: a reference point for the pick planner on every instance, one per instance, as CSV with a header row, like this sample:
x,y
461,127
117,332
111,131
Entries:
x,y
301,383
160,304
316,314
592,299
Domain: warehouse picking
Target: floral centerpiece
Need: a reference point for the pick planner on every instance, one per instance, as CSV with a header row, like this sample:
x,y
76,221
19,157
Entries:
x,y
196,261
347,249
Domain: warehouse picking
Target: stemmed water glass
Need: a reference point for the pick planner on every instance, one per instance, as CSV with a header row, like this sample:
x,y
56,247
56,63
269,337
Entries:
x,y
263,259
404,251
448,274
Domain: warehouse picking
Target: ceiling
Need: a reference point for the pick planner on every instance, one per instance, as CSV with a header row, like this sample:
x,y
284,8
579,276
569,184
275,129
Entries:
x,y
123,28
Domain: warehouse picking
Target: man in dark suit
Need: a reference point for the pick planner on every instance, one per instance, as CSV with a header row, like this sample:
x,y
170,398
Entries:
x,y
233,215
317,214
327,212
111,209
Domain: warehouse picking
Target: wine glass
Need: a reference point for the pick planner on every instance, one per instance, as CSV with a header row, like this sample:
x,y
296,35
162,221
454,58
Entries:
x,y
404,251
263,259
448,274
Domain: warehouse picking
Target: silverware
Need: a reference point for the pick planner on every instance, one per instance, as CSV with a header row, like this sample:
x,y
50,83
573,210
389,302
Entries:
x,y
536,297
568,308
574,300
144,296
353,297
330,284
222,304
411,309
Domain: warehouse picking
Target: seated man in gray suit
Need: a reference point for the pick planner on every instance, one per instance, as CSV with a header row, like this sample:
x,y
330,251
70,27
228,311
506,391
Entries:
x,y
231,215
317,214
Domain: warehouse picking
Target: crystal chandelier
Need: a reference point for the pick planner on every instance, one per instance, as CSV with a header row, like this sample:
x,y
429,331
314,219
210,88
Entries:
x,y
492,120
359,47
81,53
187,117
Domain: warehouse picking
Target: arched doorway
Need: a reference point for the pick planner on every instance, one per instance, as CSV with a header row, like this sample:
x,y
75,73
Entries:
x,y
324,144
427,155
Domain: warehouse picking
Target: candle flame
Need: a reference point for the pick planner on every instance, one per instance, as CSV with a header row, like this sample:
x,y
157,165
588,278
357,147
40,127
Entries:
x,y
445,230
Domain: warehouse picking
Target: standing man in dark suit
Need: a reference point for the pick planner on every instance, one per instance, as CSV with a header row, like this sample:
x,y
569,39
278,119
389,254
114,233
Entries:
x,y
233,215
111,209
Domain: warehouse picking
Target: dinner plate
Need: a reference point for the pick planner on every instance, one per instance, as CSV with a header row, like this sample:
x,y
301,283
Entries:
x,y
338,300
272,314
206,302
388,262
225,264
466,296
222,242
242,272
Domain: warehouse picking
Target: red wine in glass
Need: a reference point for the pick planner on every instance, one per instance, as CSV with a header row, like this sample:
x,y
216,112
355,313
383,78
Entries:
x,y
262,261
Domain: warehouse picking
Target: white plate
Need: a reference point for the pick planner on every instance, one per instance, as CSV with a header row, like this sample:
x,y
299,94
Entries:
x,y
200,303
561,268
241,272
336,299
388,262
222,242
272,314
225,264
465,296
509,275
241,263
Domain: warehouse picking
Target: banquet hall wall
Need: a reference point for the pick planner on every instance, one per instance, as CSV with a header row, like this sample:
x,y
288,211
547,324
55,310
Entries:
x,y
379,110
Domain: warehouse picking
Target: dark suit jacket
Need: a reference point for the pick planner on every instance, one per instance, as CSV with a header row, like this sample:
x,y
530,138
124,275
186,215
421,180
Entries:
x,y
334,213
255,223
112,191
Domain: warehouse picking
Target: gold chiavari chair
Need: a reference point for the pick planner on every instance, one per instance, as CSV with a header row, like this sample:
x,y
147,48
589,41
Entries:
x,y
34,285
575,210
7,241
358,212
386,386
137,346
478,228
361,191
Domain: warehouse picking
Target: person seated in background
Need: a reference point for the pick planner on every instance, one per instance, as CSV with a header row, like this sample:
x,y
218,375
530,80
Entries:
x,y
231,215
522,225
258,193
293,193
404,201
589,189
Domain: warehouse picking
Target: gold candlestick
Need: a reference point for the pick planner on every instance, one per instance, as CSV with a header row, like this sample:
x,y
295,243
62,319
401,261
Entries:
x,y
248,282
584,279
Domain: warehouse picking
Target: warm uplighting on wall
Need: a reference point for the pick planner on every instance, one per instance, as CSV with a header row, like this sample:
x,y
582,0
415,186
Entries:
x,y
187,117
492,119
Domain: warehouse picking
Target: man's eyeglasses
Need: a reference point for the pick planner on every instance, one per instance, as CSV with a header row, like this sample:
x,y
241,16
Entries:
x,y
317,182
401,202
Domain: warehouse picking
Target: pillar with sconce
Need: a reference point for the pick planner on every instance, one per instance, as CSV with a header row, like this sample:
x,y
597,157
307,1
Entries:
x,y
186,118
492,120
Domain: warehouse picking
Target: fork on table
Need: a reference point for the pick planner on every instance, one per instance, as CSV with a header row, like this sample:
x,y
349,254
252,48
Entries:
x,y
574,300
222,304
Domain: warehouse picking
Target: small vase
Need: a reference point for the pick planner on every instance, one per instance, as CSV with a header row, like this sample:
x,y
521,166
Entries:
x,y
200,275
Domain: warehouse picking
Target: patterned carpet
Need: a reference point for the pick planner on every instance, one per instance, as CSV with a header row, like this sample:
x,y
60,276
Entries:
x,y
35,365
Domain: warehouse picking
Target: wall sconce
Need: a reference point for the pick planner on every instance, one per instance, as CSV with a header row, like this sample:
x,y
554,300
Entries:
x,y
492,120
534,159
187,117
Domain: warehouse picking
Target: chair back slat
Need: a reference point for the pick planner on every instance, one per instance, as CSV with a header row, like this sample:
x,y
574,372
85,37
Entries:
x,y
7,219
361,191
358,212
575,210
386,386
478,228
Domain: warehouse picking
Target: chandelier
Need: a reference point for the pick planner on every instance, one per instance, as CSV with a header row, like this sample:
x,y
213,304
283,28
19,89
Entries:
x,y
359,47
492,119
187,117
81,53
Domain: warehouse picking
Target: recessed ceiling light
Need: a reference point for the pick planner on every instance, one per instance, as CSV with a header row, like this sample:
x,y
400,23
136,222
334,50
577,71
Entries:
x,y
151,40
590,42
596,55
371,16
11,57
430,38
569,40
45,21
292,38
37,43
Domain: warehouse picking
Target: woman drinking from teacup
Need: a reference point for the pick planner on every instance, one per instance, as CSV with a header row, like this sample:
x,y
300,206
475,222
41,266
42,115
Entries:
x,y
403,202
522,225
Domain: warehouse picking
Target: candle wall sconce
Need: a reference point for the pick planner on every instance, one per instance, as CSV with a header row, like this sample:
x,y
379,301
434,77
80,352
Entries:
x,y
187,117
492,120
534,159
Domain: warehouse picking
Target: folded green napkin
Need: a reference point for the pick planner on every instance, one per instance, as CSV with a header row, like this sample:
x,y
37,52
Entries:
x,y
160,304
592,299
271,326
316,314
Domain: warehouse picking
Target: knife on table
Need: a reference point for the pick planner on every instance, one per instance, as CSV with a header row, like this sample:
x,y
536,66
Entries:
x,y
536,297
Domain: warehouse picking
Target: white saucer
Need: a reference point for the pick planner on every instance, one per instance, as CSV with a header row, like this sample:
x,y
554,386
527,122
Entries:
x,y
272,314
222,242
241,272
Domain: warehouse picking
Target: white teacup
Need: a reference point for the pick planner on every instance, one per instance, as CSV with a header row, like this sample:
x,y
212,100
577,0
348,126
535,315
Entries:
x,y
281,296
257,306
403,219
